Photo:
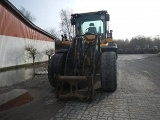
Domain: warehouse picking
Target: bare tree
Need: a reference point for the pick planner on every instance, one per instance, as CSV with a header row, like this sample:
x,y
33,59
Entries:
x,y
27,14
32,51
49,52
65,24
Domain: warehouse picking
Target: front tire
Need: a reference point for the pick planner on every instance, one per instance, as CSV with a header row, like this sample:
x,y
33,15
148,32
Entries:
x,y
56,67
108,70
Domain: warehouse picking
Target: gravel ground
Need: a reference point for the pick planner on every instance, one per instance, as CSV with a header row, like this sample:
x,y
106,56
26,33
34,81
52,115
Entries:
x,y
137,96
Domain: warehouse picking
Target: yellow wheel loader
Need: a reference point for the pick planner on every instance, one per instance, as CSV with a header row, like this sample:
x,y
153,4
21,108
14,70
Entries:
x,y
72,72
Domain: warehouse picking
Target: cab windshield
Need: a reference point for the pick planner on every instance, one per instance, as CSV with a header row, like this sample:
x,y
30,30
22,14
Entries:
x,y
91,24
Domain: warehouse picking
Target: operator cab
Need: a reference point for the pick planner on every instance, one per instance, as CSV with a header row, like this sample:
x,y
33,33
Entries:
x,y
91,23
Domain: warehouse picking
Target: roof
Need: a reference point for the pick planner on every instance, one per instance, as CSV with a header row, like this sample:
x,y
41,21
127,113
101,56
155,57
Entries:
x,y
17,13
87,13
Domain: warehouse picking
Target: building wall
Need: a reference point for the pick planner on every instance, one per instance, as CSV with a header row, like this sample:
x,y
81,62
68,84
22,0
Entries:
x,y
12,50
10,25
15,35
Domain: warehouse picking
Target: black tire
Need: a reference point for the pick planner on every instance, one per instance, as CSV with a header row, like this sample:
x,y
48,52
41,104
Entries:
x,y
108,70
56,67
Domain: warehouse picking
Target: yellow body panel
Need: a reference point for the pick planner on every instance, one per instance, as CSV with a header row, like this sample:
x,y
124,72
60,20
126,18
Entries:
x,y
89,37
106,40
66,42
103,45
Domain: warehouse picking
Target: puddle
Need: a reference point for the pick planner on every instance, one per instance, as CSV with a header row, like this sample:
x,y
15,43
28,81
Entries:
x,y
14,98
11,77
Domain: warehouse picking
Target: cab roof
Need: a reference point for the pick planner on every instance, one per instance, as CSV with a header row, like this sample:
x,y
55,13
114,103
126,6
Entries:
x,y
90,13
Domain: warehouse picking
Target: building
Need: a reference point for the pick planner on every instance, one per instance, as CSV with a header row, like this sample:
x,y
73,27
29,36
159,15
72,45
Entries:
x,y
16,33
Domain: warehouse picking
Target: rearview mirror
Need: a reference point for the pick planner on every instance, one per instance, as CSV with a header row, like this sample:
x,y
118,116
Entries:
x,y
107,17
73,21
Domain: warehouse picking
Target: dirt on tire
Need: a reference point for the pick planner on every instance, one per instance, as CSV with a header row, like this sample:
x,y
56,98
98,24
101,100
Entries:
x,y
108,71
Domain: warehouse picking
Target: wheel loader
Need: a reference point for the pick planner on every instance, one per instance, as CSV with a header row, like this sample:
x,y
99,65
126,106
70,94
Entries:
x,y
72,72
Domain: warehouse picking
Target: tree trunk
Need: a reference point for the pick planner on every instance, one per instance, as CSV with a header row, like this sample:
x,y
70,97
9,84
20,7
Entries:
x,y
33,65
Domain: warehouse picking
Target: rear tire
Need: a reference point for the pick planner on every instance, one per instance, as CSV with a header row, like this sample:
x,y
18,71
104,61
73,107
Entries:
x,y
56,67
108,70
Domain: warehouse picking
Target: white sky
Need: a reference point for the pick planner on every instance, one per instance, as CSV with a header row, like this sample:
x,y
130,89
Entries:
x,y
128,18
